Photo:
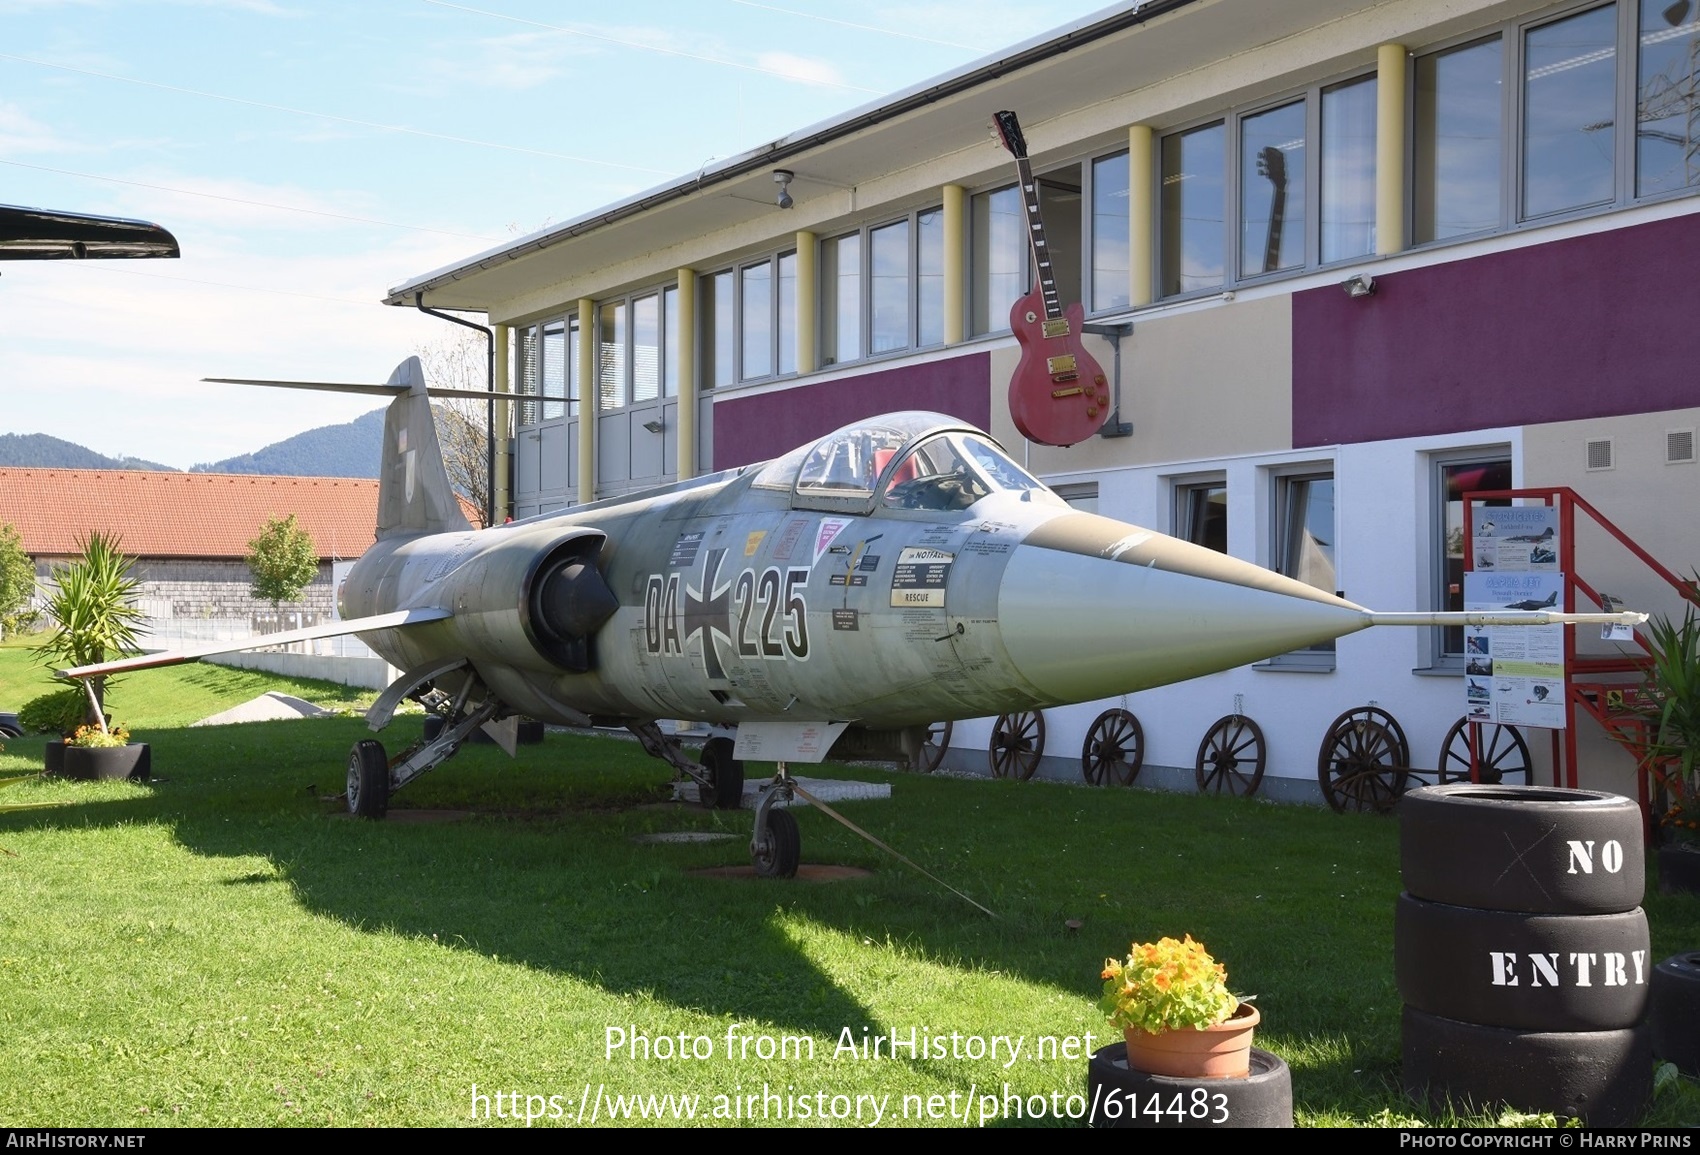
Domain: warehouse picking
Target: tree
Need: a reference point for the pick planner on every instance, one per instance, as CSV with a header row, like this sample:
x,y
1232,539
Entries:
x,y
461,361
17,577
283,559
92,608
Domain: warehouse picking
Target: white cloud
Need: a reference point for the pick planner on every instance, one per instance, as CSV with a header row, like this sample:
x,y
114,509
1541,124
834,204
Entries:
x,y
807,69
22,133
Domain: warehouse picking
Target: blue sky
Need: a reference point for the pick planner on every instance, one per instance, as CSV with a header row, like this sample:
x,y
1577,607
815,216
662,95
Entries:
x,y
310,155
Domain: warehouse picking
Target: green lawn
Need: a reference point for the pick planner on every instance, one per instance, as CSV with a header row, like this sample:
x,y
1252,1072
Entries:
x,y
225,947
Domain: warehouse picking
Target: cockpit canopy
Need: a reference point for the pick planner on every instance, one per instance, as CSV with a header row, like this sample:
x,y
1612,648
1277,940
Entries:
x,y
911,460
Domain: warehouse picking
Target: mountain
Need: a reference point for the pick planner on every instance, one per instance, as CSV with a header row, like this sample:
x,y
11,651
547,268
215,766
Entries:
x,y
349,450
39,451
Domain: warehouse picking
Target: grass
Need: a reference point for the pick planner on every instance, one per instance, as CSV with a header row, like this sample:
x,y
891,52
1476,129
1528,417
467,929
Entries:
x,y
226,948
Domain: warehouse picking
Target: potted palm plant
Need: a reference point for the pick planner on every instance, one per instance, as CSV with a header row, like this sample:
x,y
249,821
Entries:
x,y
1172,1002
91,606
1671,708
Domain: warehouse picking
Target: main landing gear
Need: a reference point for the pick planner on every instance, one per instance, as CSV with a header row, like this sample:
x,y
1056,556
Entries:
x,y
373,776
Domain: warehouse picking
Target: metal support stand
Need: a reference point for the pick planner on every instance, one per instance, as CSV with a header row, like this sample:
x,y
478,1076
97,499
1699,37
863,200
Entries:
x,y
1114,426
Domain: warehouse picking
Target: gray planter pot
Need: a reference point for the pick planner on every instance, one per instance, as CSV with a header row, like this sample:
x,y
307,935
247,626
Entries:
x,y
1679,869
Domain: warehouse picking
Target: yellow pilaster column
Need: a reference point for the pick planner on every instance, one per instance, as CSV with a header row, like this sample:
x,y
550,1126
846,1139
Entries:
x,y
587,394
685,450
808,301
501,433
955,264
1141,214
1390,148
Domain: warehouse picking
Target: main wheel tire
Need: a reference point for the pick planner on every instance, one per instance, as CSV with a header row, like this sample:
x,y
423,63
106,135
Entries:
x,y
1522,971
725,787
937,744
1018,742
368,780
1118,1096
779,855
1364,761
1231,757
1114,749
1535,849
1501,759
1602,1077
1675,1014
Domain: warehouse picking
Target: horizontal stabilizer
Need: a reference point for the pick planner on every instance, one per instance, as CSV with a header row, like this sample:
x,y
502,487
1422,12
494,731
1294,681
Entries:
x,y
388,621
1507,618
391,390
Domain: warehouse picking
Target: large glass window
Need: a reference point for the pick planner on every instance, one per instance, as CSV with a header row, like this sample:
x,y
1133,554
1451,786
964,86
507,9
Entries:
x,y
1667,97
646,348
841,299
1347,195
715,313
785,319
1272,190
1569,112
999,247
890,312
1304,535
1460,113
1109,233
756,289
611,354
929,274
1193,194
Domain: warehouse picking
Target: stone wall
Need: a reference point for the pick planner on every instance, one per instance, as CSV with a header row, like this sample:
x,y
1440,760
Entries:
x,y
191,589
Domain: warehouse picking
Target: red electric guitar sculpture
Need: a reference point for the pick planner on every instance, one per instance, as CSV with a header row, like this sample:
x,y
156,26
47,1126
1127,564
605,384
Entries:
x,y
1058,394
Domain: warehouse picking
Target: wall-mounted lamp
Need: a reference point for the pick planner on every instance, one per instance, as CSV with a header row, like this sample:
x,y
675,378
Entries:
x,y
653,425
782,178
1358,285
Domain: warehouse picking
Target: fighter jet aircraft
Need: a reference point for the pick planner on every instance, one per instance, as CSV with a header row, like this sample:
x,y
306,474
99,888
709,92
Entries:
x,y
898,572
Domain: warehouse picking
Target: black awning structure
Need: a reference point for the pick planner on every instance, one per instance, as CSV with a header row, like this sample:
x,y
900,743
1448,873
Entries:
x,y
50,235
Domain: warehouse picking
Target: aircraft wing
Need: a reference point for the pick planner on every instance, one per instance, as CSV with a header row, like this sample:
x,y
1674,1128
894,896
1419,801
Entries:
x,y
233,645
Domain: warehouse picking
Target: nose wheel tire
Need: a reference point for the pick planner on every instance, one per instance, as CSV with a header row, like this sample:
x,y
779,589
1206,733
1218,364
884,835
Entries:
x,y
725,787
1018,742
1114,749
778,855
1231,757
368,780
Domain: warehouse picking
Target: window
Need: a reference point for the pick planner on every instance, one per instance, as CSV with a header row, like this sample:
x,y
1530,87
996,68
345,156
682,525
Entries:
x,y
715,330
1272,190
999,247
547,362
1456,475
1191,209
1201,513
1667,100
748,326
882,288
1459,118
1346,199
1109,233
1304,546
1569,112
637,350
1081,495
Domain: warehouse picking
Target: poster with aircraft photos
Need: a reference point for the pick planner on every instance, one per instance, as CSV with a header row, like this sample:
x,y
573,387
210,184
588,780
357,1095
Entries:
x,y
1514,675
1514,539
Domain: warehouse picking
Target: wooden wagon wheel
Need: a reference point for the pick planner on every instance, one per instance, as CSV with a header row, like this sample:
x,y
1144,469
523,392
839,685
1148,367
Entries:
x,y
1231,757
1018,742
1114,749
932,753
1502,755
1364,761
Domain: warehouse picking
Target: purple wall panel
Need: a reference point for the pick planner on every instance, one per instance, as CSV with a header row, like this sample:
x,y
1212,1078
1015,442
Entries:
x,y
766,425
1589,326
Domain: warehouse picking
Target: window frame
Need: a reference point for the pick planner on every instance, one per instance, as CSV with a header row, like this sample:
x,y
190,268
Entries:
x,y
1319,658
1436,462
528,349
780,327
1182,510
1512,36
827,300
667,355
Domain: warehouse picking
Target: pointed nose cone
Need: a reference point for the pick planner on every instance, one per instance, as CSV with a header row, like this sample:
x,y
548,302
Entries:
x,y
1086,615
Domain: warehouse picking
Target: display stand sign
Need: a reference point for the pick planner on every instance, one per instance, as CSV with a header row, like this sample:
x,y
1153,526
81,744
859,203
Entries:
x,y
1514,675
1514,539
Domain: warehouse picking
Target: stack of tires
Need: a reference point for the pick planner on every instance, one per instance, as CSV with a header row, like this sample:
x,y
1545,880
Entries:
x,y
1521,951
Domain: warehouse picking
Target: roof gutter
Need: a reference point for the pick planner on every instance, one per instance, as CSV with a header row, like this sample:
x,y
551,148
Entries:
x,y
783,148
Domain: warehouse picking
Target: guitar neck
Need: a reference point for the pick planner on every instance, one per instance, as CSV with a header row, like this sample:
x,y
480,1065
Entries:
x,y
1036,240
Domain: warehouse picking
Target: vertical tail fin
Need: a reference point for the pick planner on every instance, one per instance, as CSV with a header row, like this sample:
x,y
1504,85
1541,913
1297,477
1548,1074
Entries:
x,y
414,494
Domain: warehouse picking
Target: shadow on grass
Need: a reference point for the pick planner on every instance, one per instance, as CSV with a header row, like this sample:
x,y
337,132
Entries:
x,y
547,874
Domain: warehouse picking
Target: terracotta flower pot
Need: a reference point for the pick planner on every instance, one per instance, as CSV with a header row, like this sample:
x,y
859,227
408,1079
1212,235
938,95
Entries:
x,y
1219,1052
